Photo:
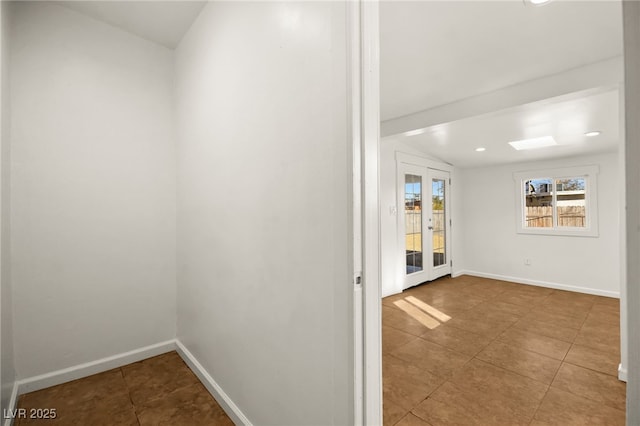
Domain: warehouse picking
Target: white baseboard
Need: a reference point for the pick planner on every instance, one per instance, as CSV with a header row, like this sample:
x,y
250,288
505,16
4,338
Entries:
x,y
13,404
58,377
223,399
622,373
539,283
455,274
94,367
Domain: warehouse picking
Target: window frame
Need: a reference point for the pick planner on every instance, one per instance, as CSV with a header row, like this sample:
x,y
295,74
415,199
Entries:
x,y
589,173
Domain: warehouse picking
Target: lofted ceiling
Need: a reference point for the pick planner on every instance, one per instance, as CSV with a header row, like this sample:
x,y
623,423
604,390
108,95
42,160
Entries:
x,y
459,75
163,22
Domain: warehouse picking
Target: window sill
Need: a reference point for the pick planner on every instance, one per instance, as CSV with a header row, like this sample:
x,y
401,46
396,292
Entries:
x,y
560,232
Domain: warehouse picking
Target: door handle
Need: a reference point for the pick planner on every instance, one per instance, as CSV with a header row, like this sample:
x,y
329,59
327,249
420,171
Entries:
x,y
430,228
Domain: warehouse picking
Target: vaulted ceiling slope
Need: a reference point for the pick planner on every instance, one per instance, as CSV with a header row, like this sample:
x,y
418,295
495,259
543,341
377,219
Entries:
x,y
437,52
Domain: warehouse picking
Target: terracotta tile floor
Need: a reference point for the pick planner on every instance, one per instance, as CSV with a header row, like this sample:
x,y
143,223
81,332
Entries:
x,y
500,354
157,391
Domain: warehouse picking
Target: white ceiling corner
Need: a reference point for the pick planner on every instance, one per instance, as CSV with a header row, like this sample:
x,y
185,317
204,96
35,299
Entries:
x,y
163,22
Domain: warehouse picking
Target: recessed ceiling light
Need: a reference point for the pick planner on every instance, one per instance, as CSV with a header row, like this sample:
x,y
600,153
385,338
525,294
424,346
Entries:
x,y
533,143
537,2
414,132
480,149
593,133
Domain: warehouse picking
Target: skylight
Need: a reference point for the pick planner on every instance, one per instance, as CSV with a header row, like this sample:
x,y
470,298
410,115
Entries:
x,y
533,143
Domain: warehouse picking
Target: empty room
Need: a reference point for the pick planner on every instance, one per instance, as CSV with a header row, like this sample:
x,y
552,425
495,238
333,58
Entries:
x,y
501,195
319,213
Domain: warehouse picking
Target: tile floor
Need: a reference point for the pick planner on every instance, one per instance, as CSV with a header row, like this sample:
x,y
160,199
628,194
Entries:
x,y
475,351
457,351
157,391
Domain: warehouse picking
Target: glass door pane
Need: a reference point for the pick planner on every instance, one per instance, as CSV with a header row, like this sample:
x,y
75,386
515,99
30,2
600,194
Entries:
x,y
438,222
413,222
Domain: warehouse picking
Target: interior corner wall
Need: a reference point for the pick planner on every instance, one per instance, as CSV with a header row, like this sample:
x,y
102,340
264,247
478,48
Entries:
x,y
493,248
264,293
7,372
93,190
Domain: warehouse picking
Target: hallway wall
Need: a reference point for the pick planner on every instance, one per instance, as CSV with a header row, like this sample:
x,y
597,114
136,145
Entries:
x,y
264,298
93,190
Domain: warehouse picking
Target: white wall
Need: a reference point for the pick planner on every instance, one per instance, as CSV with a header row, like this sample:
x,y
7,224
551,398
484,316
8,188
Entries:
x,y
630,306
263,275
7,371
93,190
391,271
492,246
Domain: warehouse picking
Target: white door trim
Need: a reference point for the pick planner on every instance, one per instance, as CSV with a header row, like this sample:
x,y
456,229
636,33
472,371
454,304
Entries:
x,y
410,164
418,277
371,216
631,293
355,124
435,272
365,133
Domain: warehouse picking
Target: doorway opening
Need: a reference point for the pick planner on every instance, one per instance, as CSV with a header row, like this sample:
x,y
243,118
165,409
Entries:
x,y
441,112
424,224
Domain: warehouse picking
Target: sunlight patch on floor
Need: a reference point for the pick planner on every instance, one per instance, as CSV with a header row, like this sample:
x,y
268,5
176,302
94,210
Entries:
x,y
441,316
417,314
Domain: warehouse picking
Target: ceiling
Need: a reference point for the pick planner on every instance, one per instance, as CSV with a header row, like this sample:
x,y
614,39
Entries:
x,y
566,119
163,22
436,52
444,59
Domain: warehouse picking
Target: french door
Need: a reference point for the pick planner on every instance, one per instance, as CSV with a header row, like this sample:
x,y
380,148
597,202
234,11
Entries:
x,y
423,223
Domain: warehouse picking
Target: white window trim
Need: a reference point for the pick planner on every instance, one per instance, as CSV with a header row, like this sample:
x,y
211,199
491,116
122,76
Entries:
x,y
591,199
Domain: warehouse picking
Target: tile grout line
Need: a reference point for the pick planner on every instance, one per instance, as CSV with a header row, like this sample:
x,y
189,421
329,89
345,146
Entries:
x,y
474,357
554,377
565,362
135,409
441,384
521,375
586,346
586,368
495,339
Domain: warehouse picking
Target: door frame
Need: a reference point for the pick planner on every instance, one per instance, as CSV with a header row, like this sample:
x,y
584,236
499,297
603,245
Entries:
x,y
427,169
435,272
427,164
630,290
364,105
402,169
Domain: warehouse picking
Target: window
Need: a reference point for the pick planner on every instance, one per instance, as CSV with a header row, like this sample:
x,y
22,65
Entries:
x,y
557,202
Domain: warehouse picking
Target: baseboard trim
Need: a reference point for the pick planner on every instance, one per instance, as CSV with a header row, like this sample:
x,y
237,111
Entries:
x,y
13,404
58,377
214,388
65,375
455,274
538,283
622,373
